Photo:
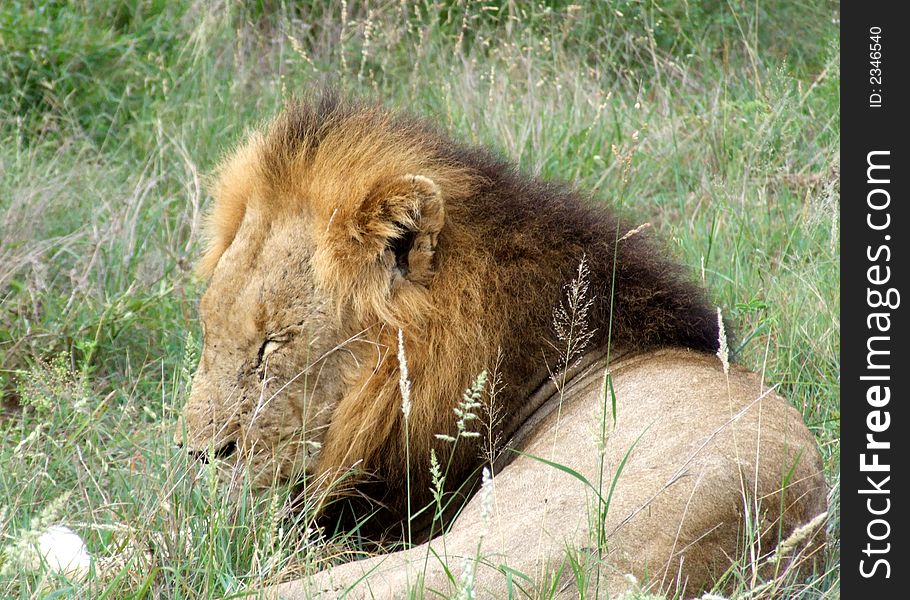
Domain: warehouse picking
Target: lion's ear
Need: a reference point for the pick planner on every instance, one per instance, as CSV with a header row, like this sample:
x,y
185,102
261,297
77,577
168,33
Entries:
x,y
406,213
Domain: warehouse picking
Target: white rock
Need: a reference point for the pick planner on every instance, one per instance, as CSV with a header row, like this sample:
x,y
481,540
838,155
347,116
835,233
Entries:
x,y
64,551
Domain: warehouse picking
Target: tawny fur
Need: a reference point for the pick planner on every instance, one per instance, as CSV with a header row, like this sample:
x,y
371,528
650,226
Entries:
x,y
692,450
488,251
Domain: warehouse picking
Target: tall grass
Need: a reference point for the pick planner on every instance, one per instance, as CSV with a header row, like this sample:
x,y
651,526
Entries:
x,y
111,114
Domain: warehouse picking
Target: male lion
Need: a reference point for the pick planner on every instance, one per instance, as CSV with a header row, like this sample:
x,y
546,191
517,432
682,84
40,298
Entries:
x,y
348,241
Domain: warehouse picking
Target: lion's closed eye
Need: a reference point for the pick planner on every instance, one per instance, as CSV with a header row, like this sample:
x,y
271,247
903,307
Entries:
x,y
268,347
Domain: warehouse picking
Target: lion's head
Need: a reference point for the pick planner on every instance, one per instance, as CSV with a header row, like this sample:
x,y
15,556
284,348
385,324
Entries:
x,y
312,266
272,366
341,224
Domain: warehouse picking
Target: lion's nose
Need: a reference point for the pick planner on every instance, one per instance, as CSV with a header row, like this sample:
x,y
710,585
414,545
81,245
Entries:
x,y
226,450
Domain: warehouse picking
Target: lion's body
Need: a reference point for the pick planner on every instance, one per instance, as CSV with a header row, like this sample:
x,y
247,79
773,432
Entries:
x,y
342,225
704,449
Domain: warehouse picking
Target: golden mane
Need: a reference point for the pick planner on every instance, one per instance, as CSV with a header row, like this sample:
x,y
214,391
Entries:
x,y
323,157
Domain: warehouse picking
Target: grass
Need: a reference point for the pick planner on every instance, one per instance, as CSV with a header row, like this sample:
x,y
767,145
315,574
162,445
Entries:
x,y
111,114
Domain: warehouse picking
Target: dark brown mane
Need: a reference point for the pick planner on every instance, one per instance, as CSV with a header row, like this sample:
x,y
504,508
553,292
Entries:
x,y
525,220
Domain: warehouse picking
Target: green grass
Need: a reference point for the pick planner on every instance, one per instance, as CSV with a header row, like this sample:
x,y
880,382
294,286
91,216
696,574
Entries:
x,y
112,113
